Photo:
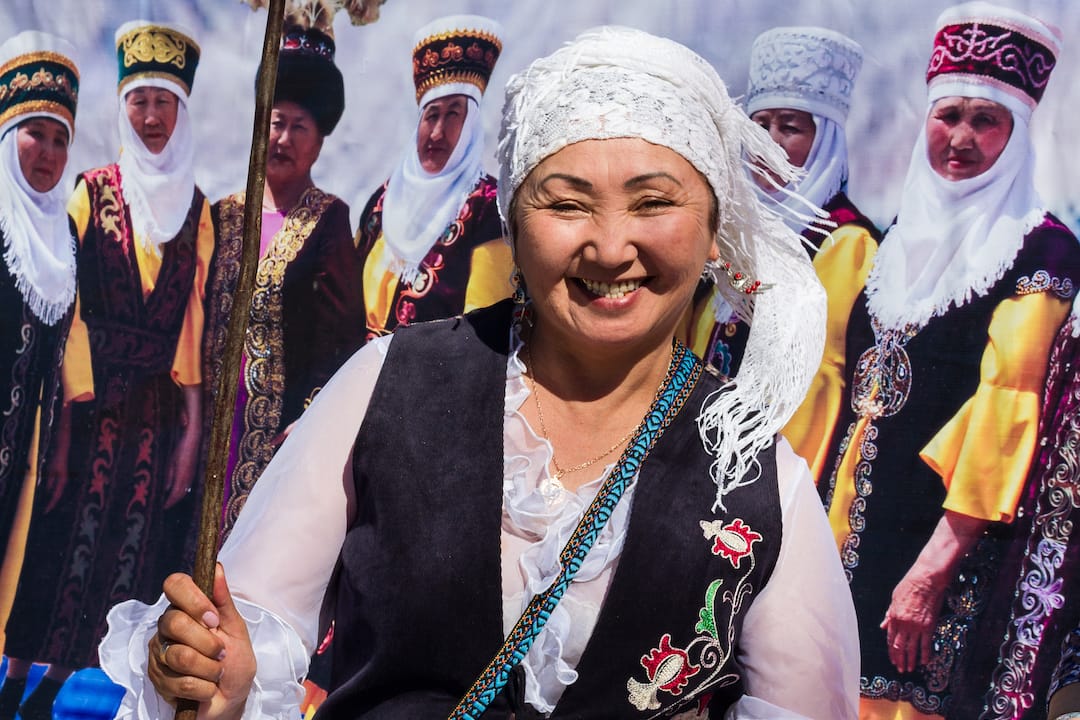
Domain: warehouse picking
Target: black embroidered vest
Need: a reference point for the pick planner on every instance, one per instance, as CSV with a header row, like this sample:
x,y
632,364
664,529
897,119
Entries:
x,y
418,594
128,332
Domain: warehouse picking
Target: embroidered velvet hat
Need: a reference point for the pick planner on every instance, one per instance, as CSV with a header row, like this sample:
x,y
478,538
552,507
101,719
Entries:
x,y
806,68
455,55
156,54
308,76
992,52
38,78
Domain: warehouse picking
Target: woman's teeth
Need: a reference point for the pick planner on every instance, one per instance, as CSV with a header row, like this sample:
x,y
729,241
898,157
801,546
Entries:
x,y
611,290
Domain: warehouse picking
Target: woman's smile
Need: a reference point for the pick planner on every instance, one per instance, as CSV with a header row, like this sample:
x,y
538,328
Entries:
x,y
610,290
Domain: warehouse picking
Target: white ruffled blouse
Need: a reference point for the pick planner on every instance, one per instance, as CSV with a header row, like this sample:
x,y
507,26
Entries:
x,y
799,642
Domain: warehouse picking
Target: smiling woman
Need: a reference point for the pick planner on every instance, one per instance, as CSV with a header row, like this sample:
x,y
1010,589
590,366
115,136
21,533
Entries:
x,y
531,510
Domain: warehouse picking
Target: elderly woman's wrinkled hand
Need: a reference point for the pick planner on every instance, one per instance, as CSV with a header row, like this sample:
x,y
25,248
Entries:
x,y
910,620
202,651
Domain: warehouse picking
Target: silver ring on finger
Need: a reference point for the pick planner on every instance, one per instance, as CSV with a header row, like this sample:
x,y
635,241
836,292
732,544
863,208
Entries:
x,y
163,651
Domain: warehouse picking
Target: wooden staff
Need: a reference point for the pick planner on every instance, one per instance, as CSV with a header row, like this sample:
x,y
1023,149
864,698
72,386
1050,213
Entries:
x,y
221,425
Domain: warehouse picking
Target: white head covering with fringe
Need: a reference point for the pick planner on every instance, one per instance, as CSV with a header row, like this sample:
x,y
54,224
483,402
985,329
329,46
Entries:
x,y
617,82
38,247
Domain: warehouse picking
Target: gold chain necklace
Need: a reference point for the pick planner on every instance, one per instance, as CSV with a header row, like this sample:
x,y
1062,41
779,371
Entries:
x,y
559,472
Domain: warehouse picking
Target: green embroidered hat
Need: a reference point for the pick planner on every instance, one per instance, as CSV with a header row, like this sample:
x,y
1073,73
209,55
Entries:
x,y
38,78
156,54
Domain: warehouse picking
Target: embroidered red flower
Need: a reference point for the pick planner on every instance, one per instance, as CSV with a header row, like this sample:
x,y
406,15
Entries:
x,y
733,540
669,668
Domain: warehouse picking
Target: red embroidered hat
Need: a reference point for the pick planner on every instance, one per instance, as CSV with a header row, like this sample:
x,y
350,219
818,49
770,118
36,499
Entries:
x,y
992,52
455,55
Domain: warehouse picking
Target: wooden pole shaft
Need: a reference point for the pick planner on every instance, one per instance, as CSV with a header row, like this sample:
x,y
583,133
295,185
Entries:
x,y
221,425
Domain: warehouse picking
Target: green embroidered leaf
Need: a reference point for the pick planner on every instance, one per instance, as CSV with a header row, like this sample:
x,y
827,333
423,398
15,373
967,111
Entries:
x,y
707,623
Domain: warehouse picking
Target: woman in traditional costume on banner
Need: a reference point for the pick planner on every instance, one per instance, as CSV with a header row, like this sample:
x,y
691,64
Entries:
x,y
800,88
430,238
699,575
305,314
39,87
945,356
132,407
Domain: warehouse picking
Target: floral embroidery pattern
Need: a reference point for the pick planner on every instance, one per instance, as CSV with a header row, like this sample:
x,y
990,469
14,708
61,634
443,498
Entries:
x,y
881,385
668,668
732,541
41,80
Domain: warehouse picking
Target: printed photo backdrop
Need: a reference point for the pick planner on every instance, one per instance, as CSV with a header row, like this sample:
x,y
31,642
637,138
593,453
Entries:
x,y
380,111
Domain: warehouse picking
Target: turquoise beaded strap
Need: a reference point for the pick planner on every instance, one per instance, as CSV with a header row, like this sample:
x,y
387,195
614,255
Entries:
x,y
683,374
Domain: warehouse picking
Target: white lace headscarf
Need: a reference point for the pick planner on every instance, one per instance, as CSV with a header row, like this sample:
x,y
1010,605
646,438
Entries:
x,y
617,82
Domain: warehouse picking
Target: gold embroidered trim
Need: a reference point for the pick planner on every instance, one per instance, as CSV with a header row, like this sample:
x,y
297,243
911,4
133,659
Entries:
x,y
451,76
460,34
159,75
37,106
42,79
39,56
155,43
264,374
111,214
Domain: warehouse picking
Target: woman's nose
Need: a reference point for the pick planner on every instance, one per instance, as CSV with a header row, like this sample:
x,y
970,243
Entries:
x,y
962,136
611,244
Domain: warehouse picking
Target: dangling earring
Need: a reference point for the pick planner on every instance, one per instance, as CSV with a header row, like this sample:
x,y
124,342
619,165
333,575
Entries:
x,y
520,297
742,283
